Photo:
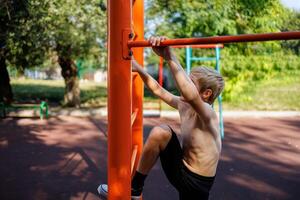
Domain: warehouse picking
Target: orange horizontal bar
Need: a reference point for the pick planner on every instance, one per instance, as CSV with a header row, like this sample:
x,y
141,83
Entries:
x,y
222,39
200,46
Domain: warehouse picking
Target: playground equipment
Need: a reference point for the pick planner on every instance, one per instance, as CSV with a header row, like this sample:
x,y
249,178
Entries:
x,y
84,71
259,37
125,89
42,108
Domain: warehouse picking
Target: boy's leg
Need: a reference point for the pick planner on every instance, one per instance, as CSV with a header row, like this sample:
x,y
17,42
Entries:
x,y
156,142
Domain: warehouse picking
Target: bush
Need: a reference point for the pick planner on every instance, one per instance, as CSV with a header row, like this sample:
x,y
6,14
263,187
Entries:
x,y
242,73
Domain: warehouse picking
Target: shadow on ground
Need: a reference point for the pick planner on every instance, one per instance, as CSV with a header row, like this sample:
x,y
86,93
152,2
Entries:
x,y
260,160
54,159
65,158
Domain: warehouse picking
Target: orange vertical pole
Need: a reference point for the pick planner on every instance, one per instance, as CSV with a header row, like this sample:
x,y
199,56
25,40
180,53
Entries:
x,y
119,100
138,86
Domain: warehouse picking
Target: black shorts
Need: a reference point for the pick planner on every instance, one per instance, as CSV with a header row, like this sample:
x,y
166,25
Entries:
x,y
191,186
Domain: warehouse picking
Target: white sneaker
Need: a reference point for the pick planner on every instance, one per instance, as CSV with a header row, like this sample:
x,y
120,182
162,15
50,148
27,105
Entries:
x,y
103,192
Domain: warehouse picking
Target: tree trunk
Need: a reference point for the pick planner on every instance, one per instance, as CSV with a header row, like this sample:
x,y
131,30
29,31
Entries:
x,y
6,94
72,90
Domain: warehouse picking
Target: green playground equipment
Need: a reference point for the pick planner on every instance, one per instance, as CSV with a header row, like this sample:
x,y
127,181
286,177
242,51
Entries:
x,y
43,108
190,58
83,68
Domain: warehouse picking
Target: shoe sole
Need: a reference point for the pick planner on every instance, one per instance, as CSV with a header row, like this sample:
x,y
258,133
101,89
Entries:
x,y
103,194
135,198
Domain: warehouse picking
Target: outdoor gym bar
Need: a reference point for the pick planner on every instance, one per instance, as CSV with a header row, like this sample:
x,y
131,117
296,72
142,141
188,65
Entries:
x,y
222,39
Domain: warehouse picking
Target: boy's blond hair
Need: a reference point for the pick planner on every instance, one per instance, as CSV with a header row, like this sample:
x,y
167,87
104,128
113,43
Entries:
x,y
208,78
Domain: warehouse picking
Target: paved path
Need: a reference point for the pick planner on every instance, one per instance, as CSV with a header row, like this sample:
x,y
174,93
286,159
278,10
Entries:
x,y
65,158
102,112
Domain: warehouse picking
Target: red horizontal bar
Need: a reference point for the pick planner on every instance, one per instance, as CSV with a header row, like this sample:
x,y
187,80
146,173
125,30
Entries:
x,y
200,46
222,39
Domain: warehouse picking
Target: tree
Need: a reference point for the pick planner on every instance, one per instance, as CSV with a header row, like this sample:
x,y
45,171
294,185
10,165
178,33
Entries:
x,y
75,29
292,23
11,12
179,18
6,94
32,28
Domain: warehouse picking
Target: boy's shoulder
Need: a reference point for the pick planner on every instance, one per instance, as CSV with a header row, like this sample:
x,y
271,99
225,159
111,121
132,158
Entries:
x,y
185,108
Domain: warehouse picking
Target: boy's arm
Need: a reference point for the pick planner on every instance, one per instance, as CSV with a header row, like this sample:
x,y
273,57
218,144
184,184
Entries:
x,y
184,83
188,89
154,87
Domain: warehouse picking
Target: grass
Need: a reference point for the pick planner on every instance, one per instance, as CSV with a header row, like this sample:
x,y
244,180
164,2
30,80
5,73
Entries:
x,y
282,92
27,90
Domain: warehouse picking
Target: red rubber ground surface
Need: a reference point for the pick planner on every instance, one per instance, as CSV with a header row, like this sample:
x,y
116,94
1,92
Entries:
x,y
65,158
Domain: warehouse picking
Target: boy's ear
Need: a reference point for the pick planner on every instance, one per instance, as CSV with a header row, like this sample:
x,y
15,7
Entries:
x,y
207,94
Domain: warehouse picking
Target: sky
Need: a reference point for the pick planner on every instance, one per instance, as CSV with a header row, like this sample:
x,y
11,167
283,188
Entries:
x,y
294,4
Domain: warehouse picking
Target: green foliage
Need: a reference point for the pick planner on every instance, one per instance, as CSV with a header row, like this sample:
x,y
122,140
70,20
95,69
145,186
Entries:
x,y
198,18
292,23
77,28
216,17
32,31
27,43
190,18
242,73
13,14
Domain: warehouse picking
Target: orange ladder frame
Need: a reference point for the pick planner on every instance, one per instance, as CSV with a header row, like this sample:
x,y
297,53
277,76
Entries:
x,y
125,93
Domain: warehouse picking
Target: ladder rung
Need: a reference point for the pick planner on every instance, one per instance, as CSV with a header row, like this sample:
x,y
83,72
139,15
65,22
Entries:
x,y
134,75
133,157
133,115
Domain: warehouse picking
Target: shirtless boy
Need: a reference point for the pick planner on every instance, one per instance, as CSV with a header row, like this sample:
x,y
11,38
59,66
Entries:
x,y
190,167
